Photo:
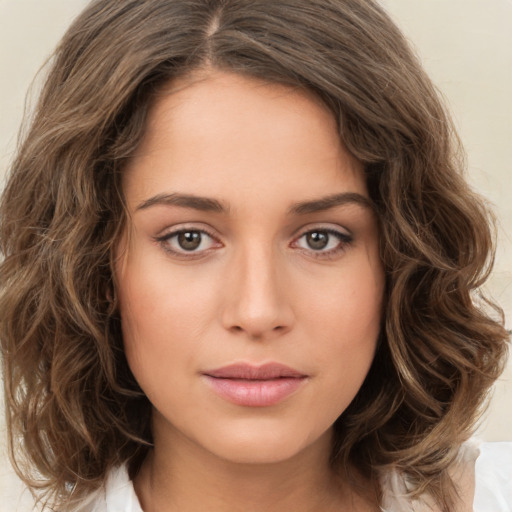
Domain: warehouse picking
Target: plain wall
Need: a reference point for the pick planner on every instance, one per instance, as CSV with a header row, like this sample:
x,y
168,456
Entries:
x,y
466,46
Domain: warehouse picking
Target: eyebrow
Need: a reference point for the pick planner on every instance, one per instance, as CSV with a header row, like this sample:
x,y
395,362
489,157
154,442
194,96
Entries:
x,y
205,204
208,204
331,201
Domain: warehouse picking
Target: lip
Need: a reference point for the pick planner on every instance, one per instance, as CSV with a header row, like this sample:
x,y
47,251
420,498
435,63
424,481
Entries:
x,y
255,386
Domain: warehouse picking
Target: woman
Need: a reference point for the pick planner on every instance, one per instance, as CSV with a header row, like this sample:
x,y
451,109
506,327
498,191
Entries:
x,y
239,267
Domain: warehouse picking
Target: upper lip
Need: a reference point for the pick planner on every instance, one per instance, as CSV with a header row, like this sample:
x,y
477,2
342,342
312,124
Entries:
x,y
254,372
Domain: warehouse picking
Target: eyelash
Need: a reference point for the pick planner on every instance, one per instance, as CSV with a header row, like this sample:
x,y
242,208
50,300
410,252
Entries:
x,y
344,241
164,241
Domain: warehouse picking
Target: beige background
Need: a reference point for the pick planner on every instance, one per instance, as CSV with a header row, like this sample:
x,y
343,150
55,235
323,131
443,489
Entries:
x,y
466,46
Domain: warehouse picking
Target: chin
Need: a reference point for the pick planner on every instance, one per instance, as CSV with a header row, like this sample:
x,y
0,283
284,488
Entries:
x,y
262,446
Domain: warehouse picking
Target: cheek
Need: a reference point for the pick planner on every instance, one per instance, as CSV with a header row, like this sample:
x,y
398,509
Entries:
x,y
158,342
165,314
349,305
345,322
154,296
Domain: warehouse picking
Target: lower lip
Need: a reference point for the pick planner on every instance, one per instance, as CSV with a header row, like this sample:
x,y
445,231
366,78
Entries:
x,y
255,393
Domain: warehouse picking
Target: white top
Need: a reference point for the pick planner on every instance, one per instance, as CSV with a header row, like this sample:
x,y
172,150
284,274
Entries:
x,y
490,462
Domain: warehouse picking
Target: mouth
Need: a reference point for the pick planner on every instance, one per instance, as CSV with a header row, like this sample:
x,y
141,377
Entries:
x,y
255,386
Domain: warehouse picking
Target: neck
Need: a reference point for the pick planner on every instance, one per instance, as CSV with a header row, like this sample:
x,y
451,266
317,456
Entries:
x,y
182,476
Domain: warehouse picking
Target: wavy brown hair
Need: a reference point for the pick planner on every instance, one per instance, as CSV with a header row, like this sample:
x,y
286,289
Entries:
x,y
73,408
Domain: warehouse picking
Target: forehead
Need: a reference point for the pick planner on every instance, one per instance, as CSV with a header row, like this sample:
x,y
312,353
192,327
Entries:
x,y
220,128
212,97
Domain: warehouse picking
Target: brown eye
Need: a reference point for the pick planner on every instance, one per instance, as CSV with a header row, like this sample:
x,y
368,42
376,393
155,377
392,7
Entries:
x,y
185,242
189,240
317,240
323,242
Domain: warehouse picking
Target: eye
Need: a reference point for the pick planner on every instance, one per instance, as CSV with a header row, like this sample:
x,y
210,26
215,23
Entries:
x,y
323,242
183,241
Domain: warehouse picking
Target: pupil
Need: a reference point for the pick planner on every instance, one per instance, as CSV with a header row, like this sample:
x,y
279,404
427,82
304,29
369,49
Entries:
x,y
317,239
189,240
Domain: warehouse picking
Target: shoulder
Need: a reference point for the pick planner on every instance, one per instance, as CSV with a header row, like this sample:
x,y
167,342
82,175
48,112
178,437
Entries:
x,y
117,495
482,474
493,477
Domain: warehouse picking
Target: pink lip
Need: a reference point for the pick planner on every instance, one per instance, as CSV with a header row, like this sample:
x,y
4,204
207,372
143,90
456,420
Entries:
x,y
255,386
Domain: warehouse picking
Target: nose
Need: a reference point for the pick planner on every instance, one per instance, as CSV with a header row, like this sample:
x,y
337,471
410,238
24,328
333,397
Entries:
x,y
256,298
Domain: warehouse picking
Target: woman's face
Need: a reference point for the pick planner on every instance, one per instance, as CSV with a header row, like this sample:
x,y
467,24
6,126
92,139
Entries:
x,y
250,282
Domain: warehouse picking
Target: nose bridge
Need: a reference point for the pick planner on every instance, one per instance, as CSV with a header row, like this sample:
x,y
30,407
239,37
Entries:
x,y
257,301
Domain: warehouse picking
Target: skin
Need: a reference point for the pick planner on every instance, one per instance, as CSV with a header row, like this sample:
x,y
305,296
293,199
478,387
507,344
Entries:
x,y
255,290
